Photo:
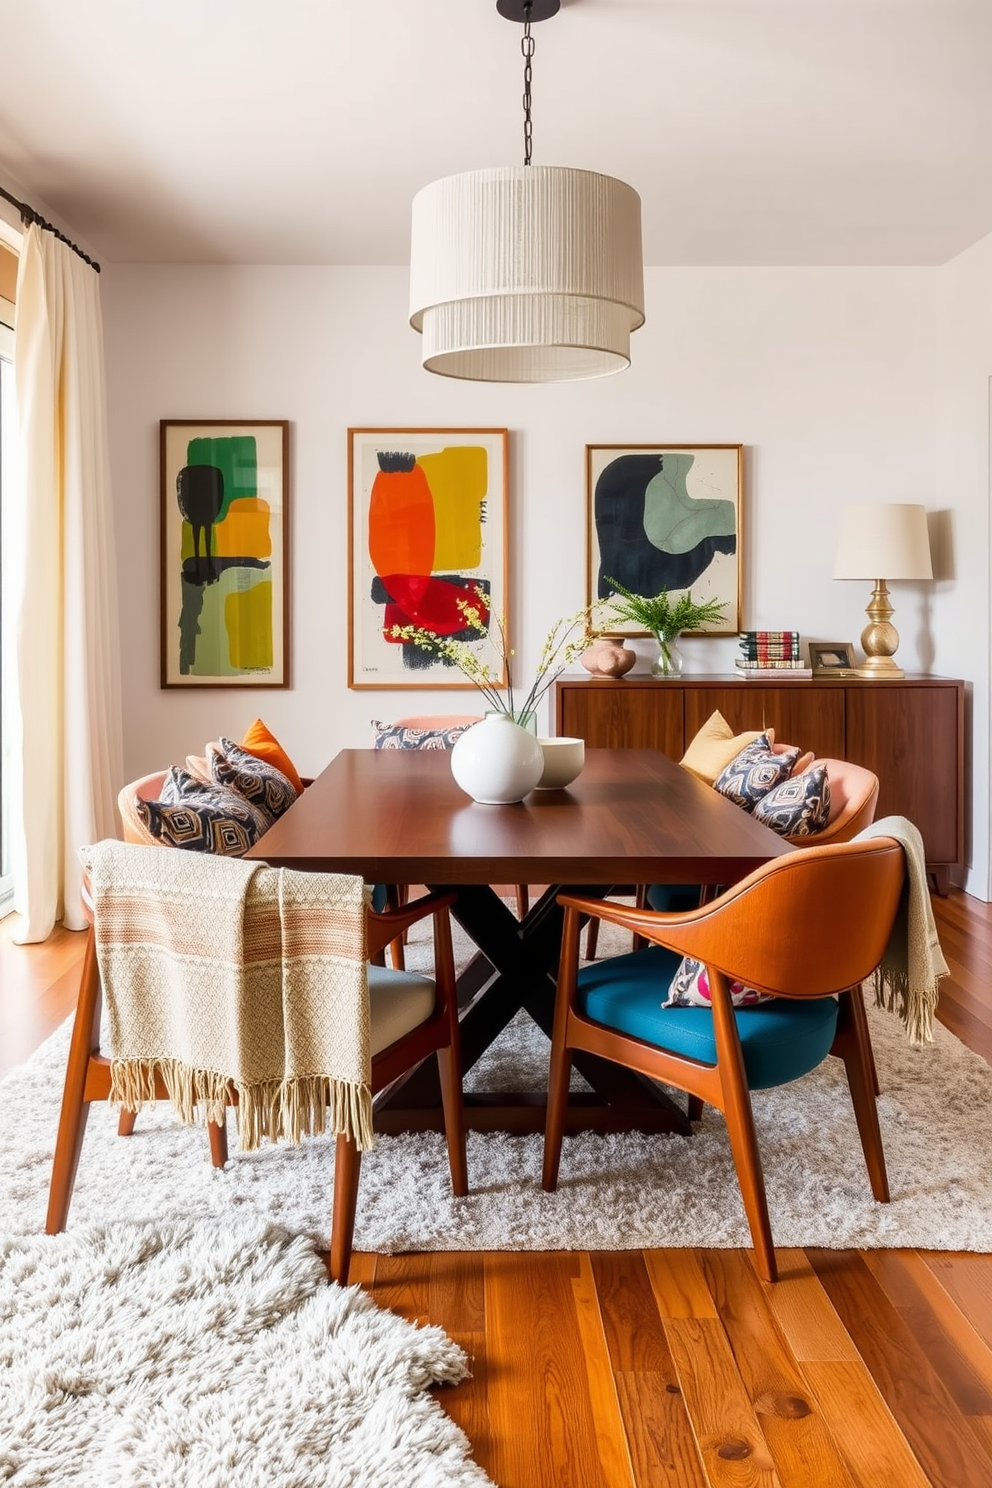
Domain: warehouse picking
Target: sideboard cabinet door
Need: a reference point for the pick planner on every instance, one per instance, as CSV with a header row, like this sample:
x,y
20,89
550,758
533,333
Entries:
x,y
911,737
813,718
623,714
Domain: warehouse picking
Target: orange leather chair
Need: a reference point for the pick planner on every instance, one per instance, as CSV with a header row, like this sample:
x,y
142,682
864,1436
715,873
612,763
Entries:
x,y
808,928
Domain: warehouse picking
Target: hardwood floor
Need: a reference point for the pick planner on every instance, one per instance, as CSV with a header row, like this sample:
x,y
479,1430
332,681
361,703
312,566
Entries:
x,y
643,1369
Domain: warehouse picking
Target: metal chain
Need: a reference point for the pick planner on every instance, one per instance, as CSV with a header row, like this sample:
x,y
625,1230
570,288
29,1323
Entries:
x,y
527,48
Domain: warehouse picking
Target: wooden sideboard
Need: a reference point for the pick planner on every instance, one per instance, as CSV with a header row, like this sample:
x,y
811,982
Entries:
x,y
910,733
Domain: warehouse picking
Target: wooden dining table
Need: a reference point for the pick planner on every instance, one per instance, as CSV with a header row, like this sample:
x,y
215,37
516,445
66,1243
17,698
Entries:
x,y
632,816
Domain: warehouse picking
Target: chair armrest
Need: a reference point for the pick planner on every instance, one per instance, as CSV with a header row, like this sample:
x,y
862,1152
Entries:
x,y
387,925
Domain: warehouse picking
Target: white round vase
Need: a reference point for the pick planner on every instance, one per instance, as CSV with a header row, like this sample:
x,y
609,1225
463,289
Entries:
x,y
496,761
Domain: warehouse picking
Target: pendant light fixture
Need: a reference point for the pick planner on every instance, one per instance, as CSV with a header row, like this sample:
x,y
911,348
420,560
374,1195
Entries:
x,y
526,273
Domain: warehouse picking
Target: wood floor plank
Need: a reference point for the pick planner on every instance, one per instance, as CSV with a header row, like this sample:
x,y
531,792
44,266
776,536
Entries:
x,y
803,1311
802,1447
731,1443
678,1284
936,1430
660,1438
967,1278
875,1450
543,1428
456,1303
611,1436
939,1327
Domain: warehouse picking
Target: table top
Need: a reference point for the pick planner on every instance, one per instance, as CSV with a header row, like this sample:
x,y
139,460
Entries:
x,y
632,816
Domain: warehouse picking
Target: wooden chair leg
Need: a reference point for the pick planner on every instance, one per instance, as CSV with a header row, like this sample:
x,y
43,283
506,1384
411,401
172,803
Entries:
x,y
449,1057
125,1122
75,1109
853,1044
640,902
740,1130
561,1057
217,1132
454,1119
523,900
694,1109
347,1170
396,896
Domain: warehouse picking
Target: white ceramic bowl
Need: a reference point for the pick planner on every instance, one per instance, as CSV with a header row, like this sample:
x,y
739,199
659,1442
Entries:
x,y
563,760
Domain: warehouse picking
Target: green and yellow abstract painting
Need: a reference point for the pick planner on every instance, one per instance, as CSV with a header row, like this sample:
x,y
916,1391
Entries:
x,y
223,555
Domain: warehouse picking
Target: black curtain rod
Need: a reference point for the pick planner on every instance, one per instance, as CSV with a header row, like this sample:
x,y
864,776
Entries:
x,y
29,215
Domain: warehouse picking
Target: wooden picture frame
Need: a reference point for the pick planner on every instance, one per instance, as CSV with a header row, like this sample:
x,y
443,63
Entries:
x,y
832,658
665,517
427,525
224,552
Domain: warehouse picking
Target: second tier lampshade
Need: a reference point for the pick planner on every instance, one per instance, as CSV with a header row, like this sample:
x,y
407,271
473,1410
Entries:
x,y
882,542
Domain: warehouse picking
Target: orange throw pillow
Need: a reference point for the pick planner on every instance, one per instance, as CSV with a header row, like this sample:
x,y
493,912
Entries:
x,y
265,746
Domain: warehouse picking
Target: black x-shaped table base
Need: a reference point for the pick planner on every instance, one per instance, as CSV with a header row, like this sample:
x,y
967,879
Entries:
x,y
515,968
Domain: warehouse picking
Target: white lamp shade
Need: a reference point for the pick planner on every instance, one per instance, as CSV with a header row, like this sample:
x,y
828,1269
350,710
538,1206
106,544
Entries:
x,y
883,542
526,274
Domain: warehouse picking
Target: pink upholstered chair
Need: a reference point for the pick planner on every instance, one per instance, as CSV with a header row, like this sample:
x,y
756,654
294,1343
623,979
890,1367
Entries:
x,y
853,798
148,788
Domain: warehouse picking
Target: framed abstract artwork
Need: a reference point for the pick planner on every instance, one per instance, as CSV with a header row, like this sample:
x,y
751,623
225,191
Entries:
x,y
665,517
224,543
427,536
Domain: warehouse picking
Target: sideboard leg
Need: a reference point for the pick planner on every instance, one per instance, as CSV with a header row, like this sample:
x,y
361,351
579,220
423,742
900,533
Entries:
x,y
940,875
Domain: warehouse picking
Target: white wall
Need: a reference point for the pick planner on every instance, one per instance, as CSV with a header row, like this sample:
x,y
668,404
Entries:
x,y
827,376
961,606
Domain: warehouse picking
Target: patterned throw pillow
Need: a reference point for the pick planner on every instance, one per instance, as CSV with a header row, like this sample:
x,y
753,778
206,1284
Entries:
x,y
259,782
202,818
402,736
756,771
799,807
690,988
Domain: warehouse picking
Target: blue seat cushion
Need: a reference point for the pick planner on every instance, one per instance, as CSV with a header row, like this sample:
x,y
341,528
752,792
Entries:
x,y
781,1039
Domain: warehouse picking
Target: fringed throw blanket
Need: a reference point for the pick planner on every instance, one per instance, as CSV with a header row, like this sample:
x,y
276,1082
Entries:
x,y
219,973
908,978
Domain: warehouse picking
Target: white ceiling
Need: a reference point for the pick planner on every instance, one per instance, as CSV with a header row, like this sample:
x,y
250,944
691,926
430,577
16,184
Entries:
x,y
297,131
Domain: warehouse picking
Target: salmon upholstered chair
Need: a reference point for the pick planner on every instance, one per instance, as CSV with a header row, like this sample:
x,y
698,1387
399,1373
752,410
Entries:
x,y
807,928
148,788
853,798
410,1017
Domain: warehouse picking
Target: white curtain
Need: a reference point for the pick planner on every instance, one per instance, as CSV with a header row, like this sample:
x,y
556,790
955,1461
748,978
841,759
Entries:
x,y
67,642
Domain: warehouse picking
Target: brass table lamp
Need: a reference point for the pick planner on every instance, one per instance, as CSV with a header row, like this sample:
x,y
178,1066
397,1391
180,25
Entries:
x,y
887,539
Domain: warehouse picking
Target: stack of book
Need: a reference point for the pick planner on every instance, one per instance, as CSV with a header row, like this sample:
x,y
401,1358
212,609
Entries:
x,y
771,654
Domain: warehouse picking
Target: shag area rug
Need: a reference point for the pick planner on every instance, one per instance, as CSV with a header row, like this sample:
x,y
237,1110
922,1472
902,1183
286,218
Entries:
x,y
144,1356
615,1192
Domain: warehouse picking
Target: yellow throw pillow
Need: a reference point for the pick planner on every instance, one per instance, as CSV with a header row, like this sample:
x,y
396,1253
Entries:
x,y
716,744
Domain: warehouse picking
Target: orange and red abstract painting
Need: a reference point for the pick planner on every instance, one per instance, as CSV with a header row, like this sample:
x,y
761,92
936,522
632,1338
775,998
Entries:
x,y
428,520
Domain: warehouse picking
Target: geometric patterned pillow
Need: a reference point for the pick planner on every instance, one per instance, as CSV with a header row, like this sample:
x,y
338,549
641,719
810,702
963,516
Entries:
x,y
690,988
258,781
799,807
202,818
756,771
401,736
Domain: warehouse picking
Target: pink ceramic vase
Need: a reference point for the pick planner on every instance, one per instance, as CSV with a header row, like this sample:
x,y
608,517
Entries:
x,y
608,657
